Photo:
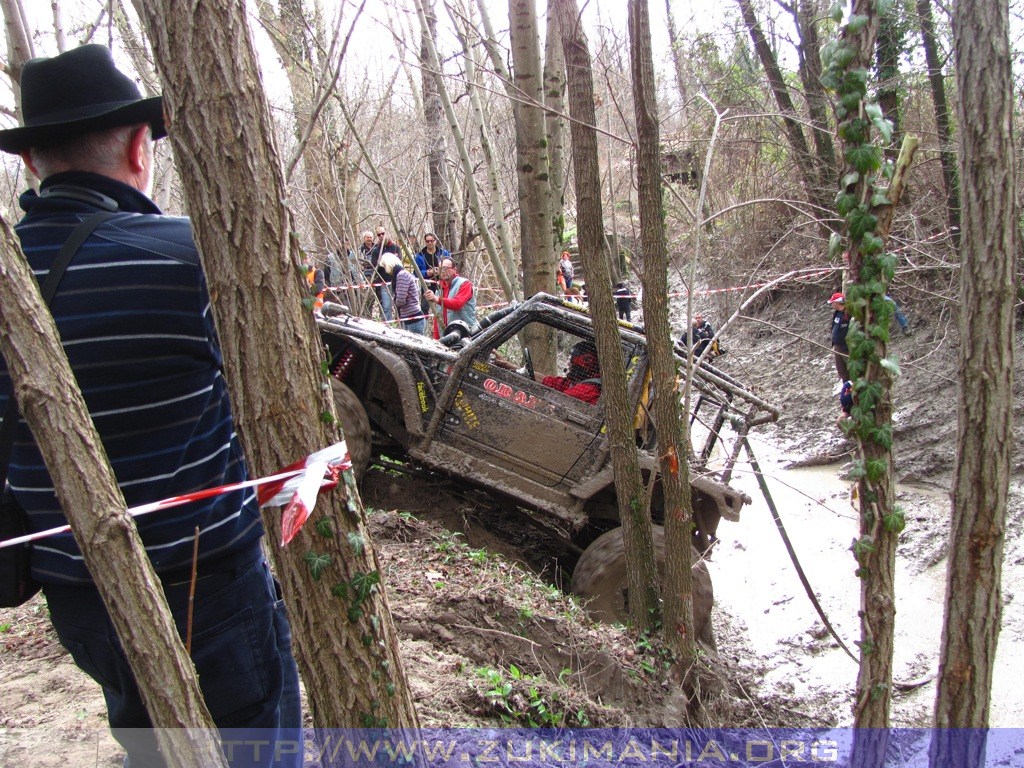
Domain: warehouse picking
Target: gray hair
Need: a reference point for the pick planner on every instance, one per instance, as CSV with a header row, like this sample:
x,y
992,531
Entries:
x,y
367,234
98,152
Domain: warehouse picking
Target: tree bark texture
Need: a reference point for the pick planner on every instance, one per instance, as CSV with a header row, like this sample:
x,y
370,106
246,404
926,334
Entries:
x,y
317,132
476,207
554,122
807,17
51,403
634,514
947,155
533,169
985,406
794,133
217,112
669,422
442,208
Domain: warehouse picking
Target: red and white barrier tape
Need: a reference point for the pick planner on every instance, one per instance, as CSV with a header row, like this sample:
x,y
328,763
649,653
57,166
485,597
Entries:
x,y
295,487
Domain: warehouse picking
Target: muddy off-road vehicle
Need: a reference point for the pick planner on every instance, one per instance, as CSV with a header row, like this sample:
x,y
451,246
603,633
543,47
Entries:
x,y
449,406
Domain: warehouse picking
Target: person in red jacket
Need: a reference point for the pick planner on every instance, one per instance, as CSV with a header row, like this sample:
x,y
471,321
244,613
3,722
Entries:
x,y
583,379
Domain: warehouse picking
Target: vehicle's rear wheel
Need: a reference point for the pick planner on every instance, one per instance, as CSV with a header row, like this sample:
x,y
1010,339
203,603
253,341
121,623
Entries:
x,y
600,579
355,424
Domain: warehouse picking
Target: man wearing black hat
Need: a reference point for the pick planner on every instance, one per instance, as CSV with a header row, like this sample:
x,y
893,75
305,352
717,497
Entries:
x,y
134,316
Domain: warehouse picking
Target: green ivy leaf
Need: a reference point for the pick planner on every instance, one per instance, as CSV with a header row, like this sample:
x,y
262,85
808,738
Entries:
x,y
865,158
845,202
837,10
856,23
835,240
874,469
849,180
317,563
364,584
884,127
340,590
871,244
895,521
861,221
356,542
879,198
843,55
325,528
872,110
891,365
882,7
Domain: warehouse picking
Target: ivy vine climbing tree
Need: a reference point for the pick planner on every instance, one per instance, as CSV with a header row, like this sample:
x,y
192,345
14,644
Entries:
x,y
869,189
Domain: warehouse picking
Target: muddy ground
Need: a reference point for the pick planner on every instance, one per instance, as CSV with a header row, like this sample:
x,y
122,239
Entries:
x,y
475,605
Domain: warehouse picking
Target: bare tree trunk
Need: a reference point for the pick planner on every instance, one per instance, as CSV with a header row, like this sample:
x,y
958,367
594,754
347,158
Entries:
x,y
434,64
441,206
509,261
678,66
49,399
808,12
794,133
887,71
947,157
317,133
348,650
533,170
985,442
554,101
669,422
19,50
641,573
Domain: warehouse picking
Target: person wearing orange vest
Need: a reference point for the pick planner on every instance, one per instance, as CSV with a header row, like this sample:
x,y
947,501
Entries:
x,y
315,279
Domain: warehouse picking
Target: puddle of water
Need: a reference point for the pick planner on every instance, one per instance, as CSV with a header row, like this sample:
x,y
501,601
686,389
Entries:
x,y
756,582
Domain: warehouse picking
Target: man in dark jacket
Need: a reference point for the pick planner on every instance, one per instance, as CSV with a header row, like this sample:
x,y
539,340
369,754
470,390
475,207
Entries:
x,y
840,327
703,333
134,316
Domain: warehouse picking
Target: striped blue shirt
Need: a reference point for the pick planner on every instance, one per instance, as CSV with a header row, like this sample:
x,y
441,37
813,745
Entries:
x,y
134,316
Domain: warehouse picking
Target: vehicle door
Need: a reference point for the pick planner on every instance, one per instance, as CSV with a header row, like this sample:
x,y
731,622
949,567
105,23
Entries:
x,y
505,418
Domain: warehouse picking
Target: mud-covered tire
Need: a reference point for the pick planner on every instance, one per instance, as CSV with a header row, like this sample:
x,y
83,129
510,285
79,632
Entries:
x,y
600,579
355,424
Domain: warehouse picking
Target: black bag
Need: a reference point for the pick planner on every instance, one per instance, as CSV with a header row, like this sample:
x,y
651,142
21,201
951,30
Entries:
x,y
16,582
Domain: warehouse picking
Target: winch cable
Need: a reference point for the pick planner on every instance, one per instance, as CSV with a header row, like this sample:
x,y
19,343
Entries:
x,y
789,548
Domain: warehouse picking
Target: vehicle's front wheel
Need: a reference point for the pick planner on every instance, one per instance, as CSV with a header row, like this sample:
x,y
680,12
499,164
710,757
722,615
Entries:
x,y
600,579
355,424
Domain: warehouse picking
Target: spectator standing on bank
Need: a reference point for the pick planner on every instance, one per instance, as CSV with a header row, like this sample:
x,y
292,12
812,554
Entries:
x,y
840,327
165,422
623,301
566,268
456,299
406,290
383,244
428,259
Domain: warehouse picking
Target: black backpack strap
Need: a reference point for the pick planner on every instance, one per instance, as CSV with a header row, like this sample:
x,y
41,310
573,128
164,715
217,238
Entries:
x,y
48,289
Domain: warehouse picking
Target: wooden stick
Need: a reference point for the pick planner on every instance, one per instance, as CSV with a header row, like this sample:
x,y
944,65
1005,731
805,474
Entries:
x,y
192,592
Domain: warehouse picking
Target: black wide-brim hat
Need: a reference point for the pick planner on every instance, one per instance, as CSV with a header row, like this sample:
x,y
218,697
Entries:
x,y
75,93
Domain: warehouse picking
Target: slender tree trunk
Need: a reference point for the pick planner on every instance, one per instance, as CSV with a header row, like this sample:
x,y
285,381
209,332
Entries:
x,y
348,650
641,573
509,261
316,132
51,403
794,133
533,170
887,70
467,166
808,12
19,50
554,101
947,155
669,422
442,208
679,66
985,441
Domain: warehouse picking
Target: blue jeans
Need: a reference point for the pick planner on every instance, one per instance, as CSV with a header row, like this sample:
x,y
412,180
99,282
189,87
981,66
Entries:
x,y
386,304
415,326
241,647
